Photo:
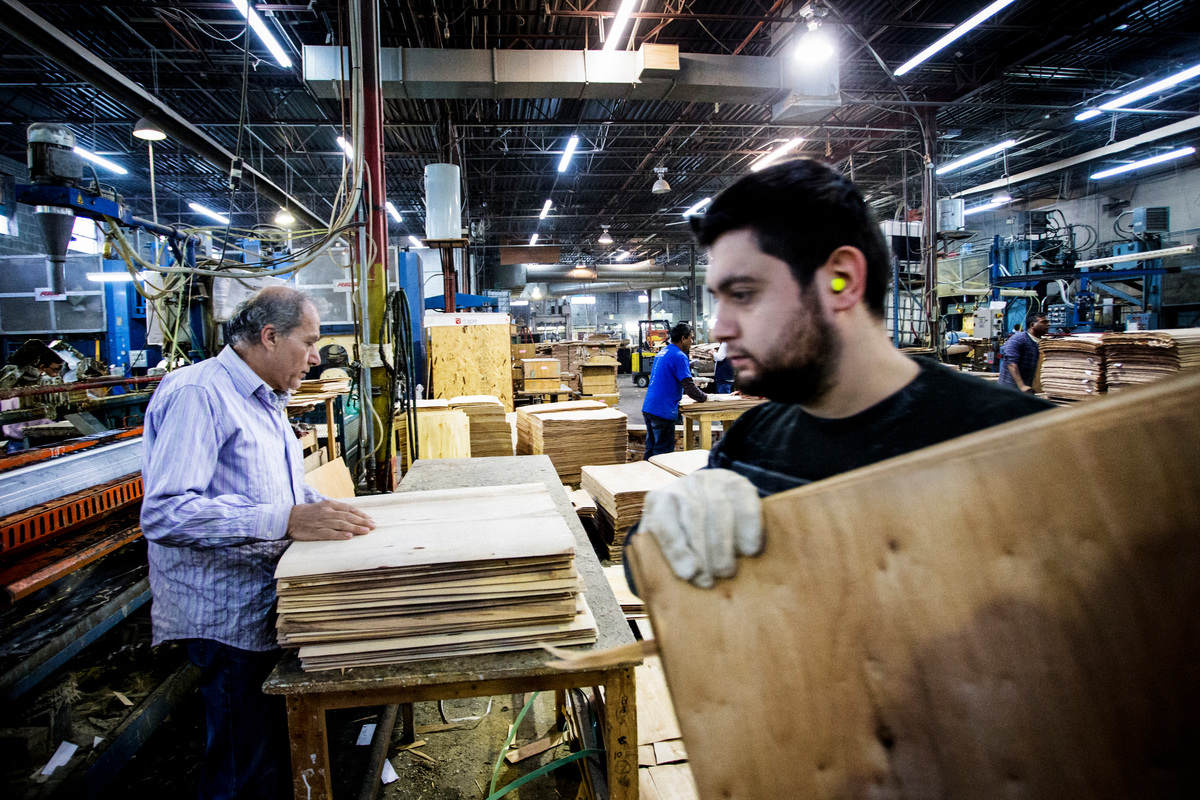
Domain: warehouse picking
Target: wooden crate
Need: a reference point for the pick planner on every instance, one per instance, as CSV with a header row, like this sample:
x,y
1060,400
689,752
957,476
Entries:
x,y
540,368
542,384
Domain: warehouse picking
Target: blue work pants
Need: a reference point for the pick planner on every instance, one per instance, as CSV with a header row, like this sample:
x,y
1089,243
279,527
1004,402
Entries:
x,y
660,435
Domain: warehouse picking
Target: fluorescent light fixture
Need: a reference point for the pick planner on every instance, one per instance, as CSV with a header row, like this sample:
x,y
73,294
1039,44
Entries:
x,y
1145,162
973,157
954,35
391,209
101,161
415,241
1126,100
517,303
572,143
696,208
545,209
533,240
618,26
346,148
260,29
776,154
621,256
988,206
643,298
208,212
285,218
583,299
114,277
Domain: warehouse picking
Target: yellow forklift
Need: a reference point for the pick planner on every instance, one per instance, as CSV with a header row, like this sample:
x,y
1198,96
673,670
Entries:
x,y
651,334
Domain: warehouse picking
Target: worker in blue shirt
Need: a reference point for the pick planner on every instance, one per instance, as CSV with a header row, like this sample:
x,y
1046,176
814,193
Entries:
x,y
1019,355
670,377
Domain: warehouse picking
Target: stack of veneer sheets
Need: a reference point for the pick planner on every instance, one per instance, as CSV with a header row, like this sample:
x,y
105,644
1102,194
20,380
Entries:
x,y
442,432
1139,357
489,432
1072,367
681,462
445,573
620,490
573,434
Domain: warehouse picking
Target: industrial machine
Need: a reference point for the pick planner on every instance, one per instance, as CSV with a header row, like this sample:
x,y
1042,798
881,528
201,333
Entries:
x,y
652,333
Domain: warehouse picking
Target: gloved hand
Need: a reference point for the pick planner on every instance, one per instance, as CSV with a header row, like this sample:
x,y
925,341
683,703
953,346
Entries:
x,y
703,521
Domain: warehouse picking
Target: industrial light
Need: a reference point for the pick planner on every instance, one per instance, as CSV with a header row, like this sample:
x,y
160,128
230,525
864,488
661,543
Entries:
x,y
101,161
114,277
545,209
415,241
147,130
605,238
208,212
533,240
1145,162
346,148
776,154
285,218
973,157
583,300
618,26
660,186
988,206
643,298
572,143
815,46
621,256
516,303
391,209
696,208
1125,100
954,35
536,294
260,29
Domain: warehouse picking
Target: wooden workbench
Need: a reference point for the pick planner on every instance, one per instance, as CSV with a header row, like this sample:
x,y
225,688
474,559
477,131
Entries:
x,y
310,694
706,413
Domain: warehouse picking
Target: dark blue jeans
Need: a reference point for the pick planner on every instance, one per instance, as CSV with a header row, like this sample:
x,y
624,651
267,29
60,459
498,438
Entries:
x,y
660,435
246,753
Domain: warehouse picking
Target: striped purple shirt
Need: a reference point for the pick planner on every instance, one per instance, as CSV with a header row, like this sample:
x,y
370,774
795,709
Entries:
x,y
222,470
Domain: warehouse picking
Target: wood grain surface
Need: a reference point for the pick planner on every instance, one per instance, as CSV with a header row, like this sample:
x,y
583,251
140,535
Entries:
x,y
1008,615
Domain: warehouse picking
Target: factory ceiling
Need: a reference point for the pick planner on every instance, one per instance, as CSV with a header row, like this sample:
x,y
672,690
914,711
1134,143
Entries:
x,y
1024,75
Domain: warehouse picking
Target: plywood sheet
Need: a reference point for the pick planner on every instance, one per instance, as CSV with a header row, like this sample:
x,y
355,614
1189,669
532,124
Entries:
x,y
681,462
470,360
958,622
332,480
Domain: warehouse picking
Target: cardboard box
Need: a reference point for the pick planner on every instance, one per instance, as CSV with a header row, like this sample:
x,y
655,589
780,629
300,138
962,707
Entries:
x,y
541,368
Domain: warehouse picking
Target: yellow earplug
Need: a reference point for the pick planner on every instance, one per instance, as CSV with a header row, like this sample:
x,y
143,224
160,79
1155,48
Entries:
x,y
838,285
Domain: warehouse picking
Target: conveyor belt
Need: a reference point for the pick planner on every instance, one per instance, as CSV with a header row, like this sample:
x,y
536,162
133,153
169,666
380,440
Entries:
x,y
49,480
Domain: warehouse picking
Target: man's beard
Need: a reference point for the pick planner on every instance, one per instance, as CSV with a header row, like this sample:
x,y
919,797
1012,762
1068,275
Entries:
x,y
804,373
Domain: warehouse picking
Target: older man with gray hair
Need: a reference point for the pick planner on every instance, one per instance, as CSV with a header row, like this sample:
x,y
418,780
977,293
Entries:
x,y
224,496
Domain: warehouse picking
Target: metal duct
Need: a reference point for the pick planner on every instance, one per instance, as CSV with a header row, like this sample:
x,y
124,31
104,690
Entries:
x,y
425,73
606,286
36,32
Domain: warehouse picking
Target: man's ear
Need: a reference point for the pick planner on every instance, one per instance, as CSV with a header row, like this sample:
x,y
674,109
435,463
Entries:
x,y
842,279
269,337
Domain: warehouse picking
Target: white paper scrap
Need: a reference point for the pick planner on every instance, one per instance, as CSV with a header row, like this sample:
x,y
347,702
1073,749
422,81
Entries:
x,y
61,756
96,740
389,772
366,734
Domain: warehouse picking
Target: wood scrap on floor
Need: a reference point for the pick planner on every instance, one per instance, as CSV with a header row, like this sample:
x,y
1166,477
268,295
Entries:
x,y
670,782
445,573
925,644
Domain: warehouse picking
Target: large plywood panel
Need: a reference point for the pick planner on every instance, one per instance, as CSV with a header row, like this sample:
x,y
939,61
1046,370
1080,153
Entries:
x,y
1011,614
471,359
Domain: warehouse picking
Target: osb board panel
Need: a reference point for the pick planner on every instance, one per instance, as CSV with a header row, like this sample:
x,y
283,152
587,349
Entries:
x,y
471,360
1011,614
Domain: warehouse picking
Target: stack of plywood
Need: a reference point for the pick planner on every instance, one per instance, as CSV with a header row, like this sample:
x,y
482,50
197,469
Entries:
x,y
620,490
1072,368
442,432
598,379
585,506
1146,356
445,573
681,462
323,386
489,432
573,434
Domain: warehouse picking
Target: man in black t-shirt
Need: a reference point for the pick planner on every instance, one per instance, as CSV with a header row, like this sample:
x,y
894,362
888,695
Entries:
x,y
800,270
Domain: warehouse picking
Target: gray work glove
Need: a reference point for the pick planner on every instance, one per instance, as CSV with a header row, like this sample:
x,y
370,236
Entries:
x,y
703,521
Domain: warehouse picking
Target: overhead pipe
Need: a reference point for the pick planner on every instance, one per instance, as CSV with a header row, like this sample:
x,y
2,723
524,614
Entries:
x,y
35,31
